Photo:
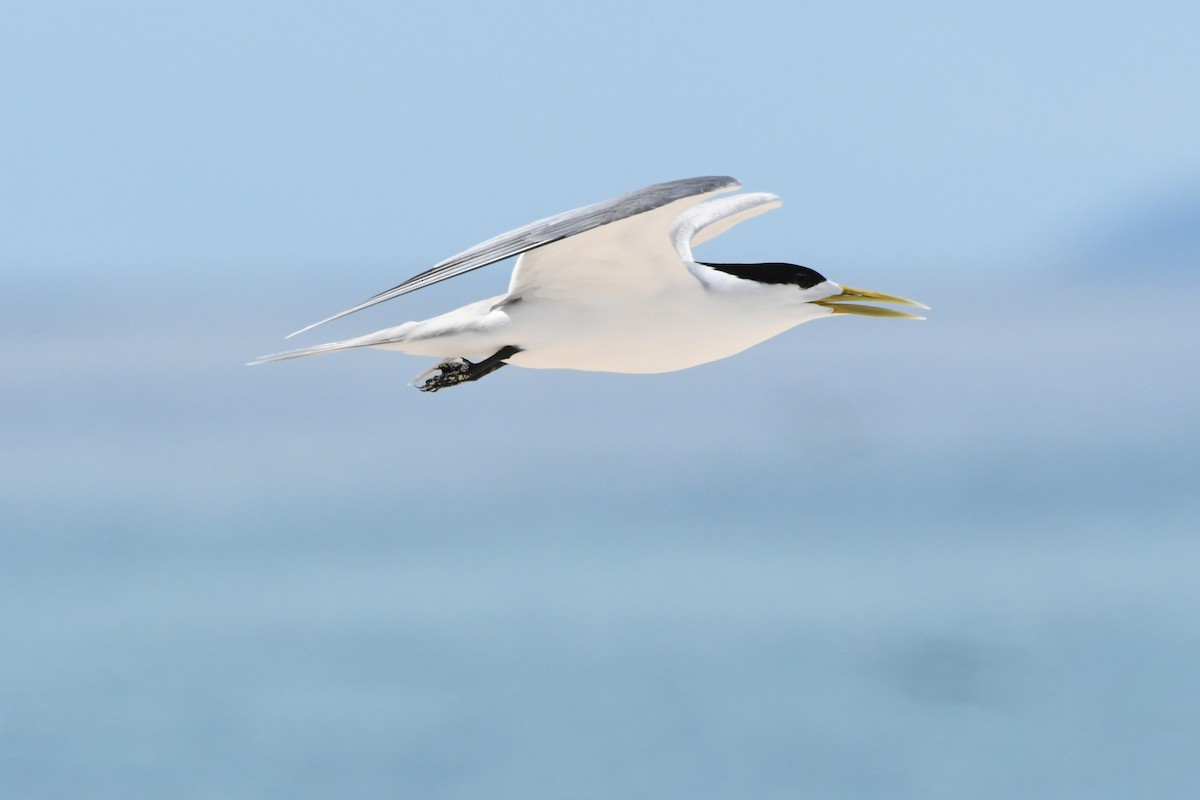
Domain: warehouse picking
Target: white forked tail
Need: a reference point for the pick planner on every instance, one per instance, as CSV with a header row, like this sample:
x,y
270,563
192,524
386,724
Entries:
x,y
331,347
389,336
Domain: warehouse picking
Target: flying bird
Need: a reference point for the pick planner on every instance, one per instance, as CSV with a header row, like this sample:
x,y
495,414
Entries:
x,y
614,287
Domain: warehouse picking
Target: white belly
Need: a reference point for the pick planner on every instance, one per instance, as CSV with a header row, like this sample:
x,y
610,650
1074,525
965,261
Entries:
x,y
664,333
641,339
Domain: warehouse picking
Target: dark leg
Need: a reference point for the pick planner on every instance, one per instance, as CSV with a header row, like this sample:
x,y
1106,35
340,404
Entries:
x,y
459,370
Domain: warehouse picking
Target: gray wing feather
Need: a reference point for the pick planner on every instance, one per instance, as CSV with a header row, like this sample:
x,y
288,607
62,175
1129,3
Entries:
x,y
545,231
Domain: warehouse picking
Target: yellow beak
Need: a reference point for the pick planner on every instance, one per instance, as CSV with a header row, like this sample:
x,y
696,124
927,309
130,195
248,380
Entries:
x,y
838,303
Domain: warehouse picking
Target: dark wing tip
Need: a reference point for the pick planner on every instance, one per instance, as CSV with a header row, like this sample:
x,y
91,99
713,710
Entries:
x,y
686,187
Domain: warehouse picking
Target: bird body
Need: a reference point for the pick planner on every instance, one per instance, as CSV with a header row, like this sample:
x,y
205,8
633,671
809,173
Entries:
x,y
678,330
614,287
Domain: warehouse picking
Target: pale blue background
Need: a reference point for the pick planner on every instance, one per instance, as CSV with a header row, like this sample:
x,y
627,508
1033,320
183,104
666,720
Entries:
x,y
868,559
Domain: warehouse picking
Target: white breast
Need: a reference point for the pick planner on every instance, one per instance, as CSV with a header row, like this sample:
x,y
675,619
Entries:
x,y
670,331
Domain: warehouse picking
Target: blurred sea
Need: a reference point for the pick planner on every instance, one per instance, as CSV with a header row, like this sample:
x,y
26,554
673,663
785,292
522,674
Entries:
x,y
873,559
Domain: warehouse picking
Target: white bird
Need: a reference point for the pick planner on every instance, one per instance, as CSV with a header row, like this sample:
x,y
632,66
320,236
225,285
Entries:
x,y
614,287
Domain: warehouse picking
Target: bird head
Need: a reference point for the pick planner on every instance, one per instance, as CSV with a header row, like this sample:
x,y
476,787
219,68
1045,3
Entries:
x,y
816,289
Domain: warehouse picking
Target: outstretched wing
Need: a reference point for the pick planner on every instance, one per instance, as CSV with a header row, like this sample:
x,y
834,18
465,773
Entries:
x,y
547,231
614,263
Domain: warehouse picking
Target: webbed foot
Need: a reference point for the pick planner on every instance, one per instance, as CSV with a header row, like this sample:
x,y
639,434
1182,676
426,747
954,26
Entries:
x,y
454,371
447,373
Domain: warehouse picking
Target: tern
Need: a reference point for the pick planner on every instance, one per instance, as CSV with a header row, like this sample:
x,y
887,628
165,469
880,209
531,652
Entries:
x,y
614,287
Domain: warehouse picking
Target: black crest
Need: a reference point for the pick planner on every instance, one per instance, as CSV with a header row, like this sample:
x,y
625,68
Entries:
x,y
773,272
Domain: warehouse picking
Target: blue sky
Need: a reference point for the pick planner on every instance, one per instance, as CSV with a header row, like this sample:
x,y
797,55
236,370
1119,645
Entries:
x,y
304,134
948,557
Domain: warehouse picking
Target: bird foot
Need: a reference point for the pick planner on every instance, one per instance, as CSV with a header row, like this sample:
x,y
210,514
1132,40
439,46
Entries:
x,y
454,371
448,373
